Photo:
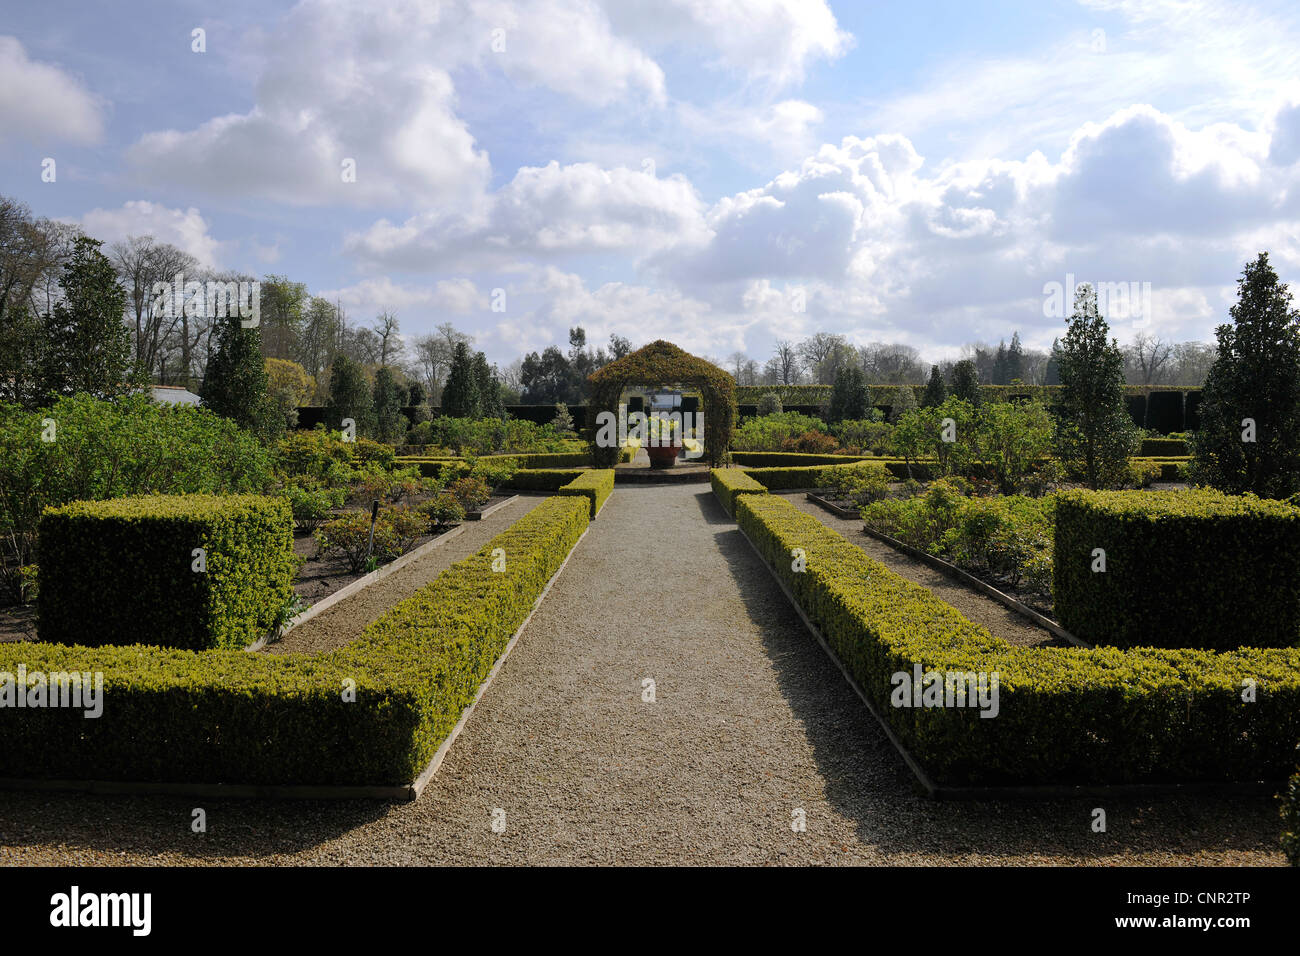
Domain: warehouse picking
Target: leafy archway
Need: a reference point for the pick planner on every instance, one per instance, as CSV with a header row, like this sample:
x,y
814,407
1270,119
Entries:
x,y
663,364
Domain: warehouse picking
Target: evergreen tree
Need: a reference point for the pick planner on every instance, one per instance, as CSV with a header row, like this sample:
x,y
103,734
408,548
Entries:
x,y
86,347
1000,365
460,396
1015,361
965,383
563,421
489,389
235,385
935,390
1052,373
350,396
390,423
1255,379
849,396
1094,433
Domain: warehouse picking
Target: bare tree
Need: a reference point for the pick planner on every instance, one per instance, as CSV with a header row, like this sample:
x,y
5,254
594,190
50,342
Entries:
x,y
786,357
141,262
1147,359
390,342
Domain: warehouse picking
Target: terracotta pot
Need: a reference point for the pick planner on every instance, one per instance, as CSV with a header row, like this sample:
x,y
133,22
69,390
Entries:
x,y
663,456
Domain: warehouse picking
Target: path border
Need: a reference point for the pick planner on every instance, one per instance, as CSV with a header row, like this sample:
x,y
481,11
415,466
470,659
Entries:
x,y
480,515
400,792
936,791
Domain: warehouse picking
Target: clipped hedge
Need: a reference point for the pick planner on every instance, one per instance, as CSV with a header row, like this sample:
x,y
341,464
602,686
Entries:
x,y
123,571
784,479
779,459
595,485
232,717
542,479
1066,715
729,482
1163,448
1194,568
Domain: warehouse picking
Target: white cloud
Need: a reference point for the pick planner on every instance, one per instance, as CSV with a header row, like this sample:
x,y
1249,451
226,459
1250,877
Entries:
x,y
370,296
43,104
184,228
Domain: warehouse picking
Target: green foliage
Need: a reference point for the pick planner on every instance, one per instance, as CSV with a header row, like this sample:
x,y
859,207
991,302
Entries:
x,y
595,484
1094,433
350,397
866,436
936,392
312,506
965,382
729,482
314,457
849,396
472,492
770,404
1011,438
925,433
112,449
442,509
235,385
86,348
1066,715
543,479
1170,447
1256,377
488,436
771,432
460,396
791,459
114,572
390,423
234,717
904,402
861,485
489,389
563,421
1008,538
784,479
1183,569
396,531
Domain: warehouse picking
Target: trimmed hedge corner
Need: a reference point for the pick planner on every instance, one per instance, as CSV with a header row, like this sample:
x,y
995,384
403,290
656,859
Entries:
x,y
729,482
1193,568
596,485
784,479
125,570
542,479
1065,715
372,713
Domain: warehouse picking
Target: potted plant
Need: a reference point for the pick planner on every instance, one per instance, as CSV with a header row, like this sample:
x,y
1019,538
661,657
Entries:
x,y
663,441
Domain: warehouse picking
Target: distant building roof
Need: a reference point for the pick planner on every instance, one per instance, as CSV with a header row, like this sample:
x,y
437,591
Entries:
x,y
173,395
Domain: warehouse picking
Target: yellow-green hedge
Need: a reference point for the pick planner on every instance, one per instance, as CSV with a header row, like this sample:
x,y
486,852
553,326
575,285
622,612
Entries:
x,y
1066,715
122,571
595,485
729,482
234,717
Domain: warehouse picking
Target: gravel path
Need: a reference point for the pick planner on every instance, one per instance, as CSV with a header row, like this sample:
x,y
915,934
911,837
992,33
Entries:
x,y
346,620
750,723
998,618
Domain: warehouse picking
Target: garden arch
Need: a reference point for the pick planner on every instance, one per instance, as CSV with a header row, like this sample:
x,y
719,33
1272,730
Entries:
x,y
664,364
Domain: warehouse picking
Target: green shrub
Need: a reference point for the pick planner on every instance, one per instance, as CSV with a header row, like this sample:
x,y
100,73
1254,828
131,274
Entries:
x,y
312,506
770,404
442,509
1066,715
790,459
112,449
318,455
1164,448
125,571
239,718
870,436
784,479
1182,569
861,485
729,482
396,531
596,485
770,432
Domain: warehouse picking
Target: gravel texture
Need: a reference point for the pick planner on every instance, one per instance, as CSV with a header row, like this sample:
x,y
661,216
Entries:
x,y
346,620
751,722
980,608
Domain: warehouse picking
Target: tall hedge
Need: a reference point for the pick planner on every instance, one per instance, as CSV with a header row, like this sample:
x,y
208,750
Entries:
x,y
1191,568
126,571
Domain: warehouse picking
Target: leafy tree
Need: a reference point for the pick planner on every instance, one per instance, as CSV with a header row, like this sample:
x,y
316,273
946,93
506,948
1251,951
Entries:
x,y
1094,433
350,396
935,390
923,433
849,398
546,378
460,396
965,382
415,394
563,421
288,387
489,389
1255,379
904,402
235,385
390,423
87,348
1011,437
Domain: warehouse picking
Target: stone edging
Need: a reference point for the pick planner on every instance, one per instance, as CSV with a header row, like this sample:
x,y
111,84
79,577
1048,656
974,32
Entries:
x,y
480,515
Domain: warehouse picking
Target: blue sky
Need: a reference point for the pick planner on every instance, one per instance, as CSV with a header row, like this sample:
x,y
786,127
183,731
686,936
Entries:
x,y
680,169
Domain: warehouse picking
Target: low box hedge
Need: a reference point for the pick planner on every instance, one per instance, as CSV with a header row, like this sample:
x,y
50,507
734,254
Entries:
x,y
784,479
1194,568
125,570
542,479
232,717
595,485
1066,715
788,459
1163,448
729,482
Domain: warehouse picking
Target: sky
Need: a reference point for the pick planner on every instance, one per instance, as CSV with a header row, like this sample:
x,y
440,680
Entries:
x,y
724,174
